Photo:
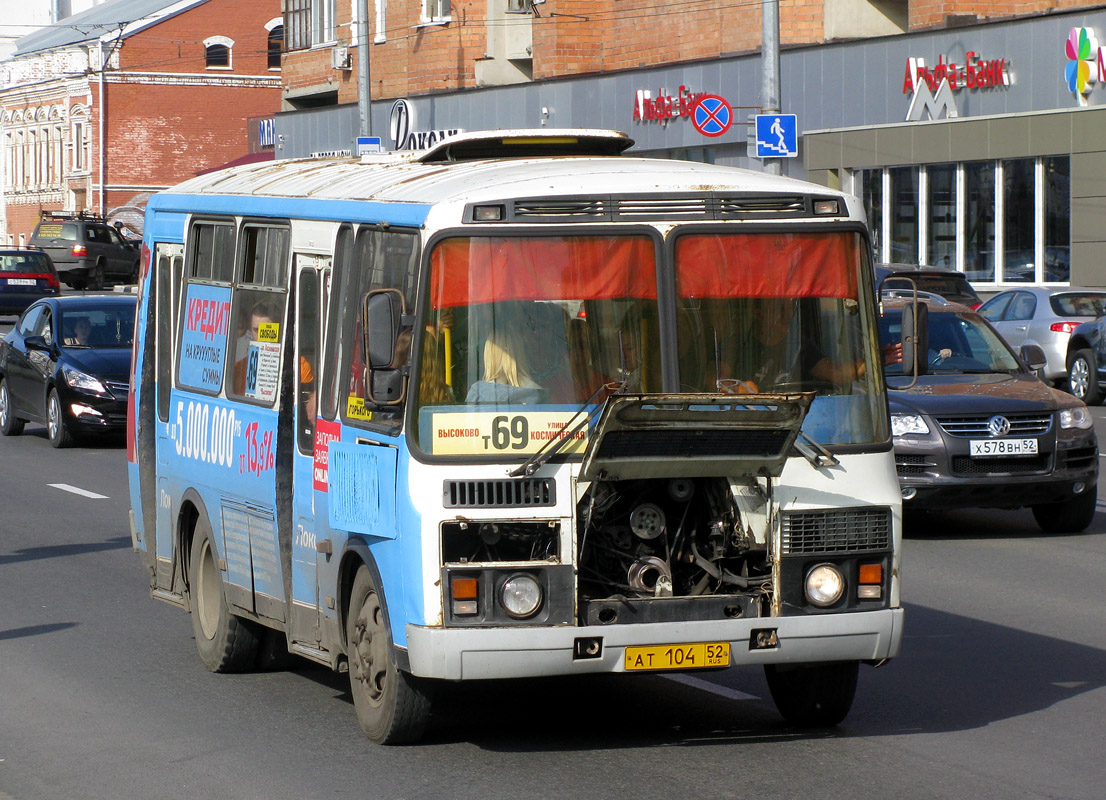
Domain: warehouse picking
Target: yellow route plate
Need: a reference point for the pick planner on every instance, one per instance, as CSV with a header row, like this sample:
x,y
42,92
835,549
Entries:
x,y
678,656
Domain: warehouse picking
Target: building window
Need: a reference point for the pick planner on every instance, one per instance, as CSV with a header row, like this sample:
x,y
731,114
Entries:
x,y
322,21
381,27
217,52
979,220
276,46
1057,212
297,24
78,147
941,215
520,6
1018,221
435,11
871,183
904,215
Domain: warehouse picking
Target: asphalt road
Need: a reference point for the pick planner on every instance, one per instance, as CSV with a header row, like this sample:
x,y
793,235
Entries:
x,y
999,690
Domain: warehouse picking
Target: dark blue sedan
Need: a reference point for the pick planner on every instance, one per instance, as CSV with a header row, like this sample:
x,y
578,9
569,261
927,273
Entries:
x,y
66,365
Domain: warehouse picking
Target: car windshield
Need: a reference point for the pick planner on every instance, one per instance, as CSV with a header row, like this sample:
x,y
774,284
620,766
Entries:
x,y
1079,304
104,327
958,343
24,262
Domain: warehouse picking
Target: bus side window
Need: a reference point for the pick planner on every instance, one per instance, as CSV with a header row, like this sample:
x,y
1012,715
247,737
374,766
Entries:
x,y
307,327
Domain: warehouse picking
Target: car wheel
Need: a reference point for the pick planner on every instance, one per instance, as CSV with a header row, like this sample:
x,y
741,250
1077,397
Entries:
x,y
1069,516
392,706
56,426
96,278
813,695
226,643
1083,377
10,425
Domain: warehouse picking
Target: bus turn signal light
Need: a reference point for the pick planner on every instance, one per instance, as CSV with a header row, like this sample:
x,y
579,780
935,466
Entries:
x,y
869,582
464,588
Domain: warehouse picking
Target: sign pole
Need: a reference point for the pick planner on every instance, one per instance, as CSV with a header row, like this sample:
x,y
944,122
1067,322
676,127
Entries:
x,y
770,68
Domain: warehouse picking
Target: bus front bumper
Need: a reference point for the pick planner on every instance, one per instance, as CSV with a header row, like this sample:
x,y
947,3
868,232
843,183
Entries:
x,y
483,653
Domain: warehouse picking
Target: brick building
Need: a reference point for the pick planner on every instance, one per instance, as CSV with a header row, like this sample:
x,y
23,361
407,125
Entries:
x,y
969,129
129,97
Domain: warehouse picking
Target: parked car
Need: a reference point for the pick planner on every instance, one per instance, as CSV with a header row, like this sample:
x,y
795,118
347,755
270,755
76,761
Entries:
x,y
26,274
948,283
86,250
1086,360
66,365
979,429
1045,317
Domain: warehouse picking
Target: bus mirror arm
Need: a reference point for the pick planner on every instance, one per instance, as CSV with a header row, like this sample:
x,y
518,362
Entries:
x,y
383,318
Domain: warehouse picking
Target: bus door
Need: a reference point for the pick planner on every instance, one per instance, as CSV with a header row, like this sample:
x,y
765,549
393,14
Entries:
x,y
168,264
312,276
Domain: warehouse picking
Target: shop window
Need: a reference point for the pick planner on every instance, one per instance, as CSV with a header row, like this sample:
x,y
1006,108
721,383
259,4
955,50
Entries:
x,y
979,220
1018,221
871,191
941,215
904,215
1057,211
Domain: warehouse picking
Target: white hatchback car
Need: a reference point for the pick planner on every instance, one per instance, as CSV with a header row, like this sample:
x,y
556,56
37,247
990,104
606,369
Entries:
x,y
1046,317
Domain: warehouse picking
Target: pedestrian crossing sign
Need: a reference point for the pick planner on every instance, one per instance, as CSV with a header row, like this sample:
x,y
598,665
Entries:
x,y
777,136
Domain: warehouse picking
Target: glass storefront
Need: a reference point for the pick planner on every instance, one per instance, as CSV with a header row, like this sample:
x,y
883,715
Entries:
x,y
997,221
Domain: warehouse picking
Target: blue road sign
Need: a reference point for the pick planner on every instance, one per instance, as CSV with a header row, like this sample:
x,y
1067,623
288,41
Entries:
x,y
368,144
777,136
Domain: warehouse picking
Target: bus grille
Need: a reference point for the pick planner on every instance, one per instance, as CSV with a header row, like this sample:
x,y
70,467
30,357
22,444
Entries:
x,y
838,530
499,493
608,208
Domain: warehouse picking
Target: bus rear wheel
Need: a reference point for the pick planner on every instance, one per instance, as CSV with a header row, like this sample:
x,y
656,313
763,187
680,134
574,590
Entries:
x,y
226,643
392,706
813,695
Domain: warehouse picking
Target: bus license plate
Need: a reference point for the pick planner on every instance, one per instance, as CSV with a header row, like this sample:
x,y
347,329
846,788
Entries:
x,y
1003,447
678,656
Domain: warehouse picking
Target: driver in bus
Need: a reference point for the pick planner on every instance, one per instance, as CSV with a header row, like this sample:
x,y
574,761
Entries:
x,y
785,358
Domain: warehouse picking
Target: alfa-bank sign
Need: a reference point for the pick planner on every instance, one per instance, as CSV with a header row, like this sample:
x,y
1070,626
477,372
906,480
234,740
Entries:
x,y
932,88
665,107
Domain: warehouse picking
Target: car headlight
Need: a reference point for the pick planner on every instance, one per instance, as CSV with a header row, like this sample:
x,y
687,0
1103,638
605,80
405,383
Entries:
x,y
908,423
824,585
1078,417
83,381
520,596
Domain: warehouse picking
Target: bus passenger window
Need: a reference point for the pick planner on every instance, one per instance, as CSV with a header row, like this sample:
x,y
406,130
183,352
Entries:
x,y
256,347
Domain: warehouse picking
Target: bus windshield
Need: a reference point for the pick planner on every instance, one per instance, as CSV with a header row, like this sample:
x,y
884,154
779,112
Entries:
x,y
520,332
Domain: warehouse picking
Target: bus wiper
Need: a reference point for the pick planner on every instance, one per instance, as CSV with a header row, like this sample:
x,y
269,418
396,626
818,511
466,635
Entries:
x,y
569,431
815,452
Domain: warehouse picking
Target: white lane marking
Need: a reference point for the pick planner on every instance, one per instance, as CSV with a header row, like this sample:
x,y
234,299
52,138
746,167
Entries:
x,y
65,487
713,688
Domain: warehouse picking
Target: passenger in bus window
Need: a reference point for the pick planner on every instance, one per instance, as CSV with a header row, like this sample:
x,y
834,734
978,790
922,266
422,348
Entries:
x,y
505,379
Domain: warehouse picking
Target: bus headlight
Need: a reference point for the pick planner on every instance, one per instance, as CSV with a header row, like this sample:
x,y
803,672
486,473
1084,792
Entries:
x,y
824,585
520,596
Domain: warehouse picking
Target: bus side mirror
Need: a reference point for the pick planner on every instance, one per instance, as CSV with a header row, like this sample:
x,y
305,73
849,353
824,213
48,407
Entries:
x,y
382,318
915,338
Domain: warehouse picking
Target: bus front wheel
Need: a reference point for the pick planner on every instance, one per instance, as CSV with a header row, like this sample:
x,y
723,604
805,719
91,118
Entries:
x,y
392,706
226,643
813,695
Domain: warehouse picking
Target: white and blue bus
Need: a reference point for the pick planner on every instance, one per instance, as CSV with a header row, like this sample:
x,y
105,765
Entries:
x,y
517,405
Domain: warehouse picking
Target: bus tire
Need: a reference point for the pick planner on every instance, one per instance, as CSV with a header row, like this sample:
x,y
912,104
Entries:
x,y
392,706
10,424
226,643
813,695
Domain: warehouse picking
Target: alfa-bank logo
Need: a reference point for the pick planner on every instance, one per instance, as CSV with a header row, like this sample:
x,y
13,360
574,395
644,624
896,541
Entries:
x,y
1084,67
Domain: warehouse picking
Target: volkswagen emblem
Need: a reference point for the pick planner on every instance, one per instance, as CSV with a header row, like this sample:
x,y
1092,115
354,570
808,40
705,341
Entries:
x,y
998,425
